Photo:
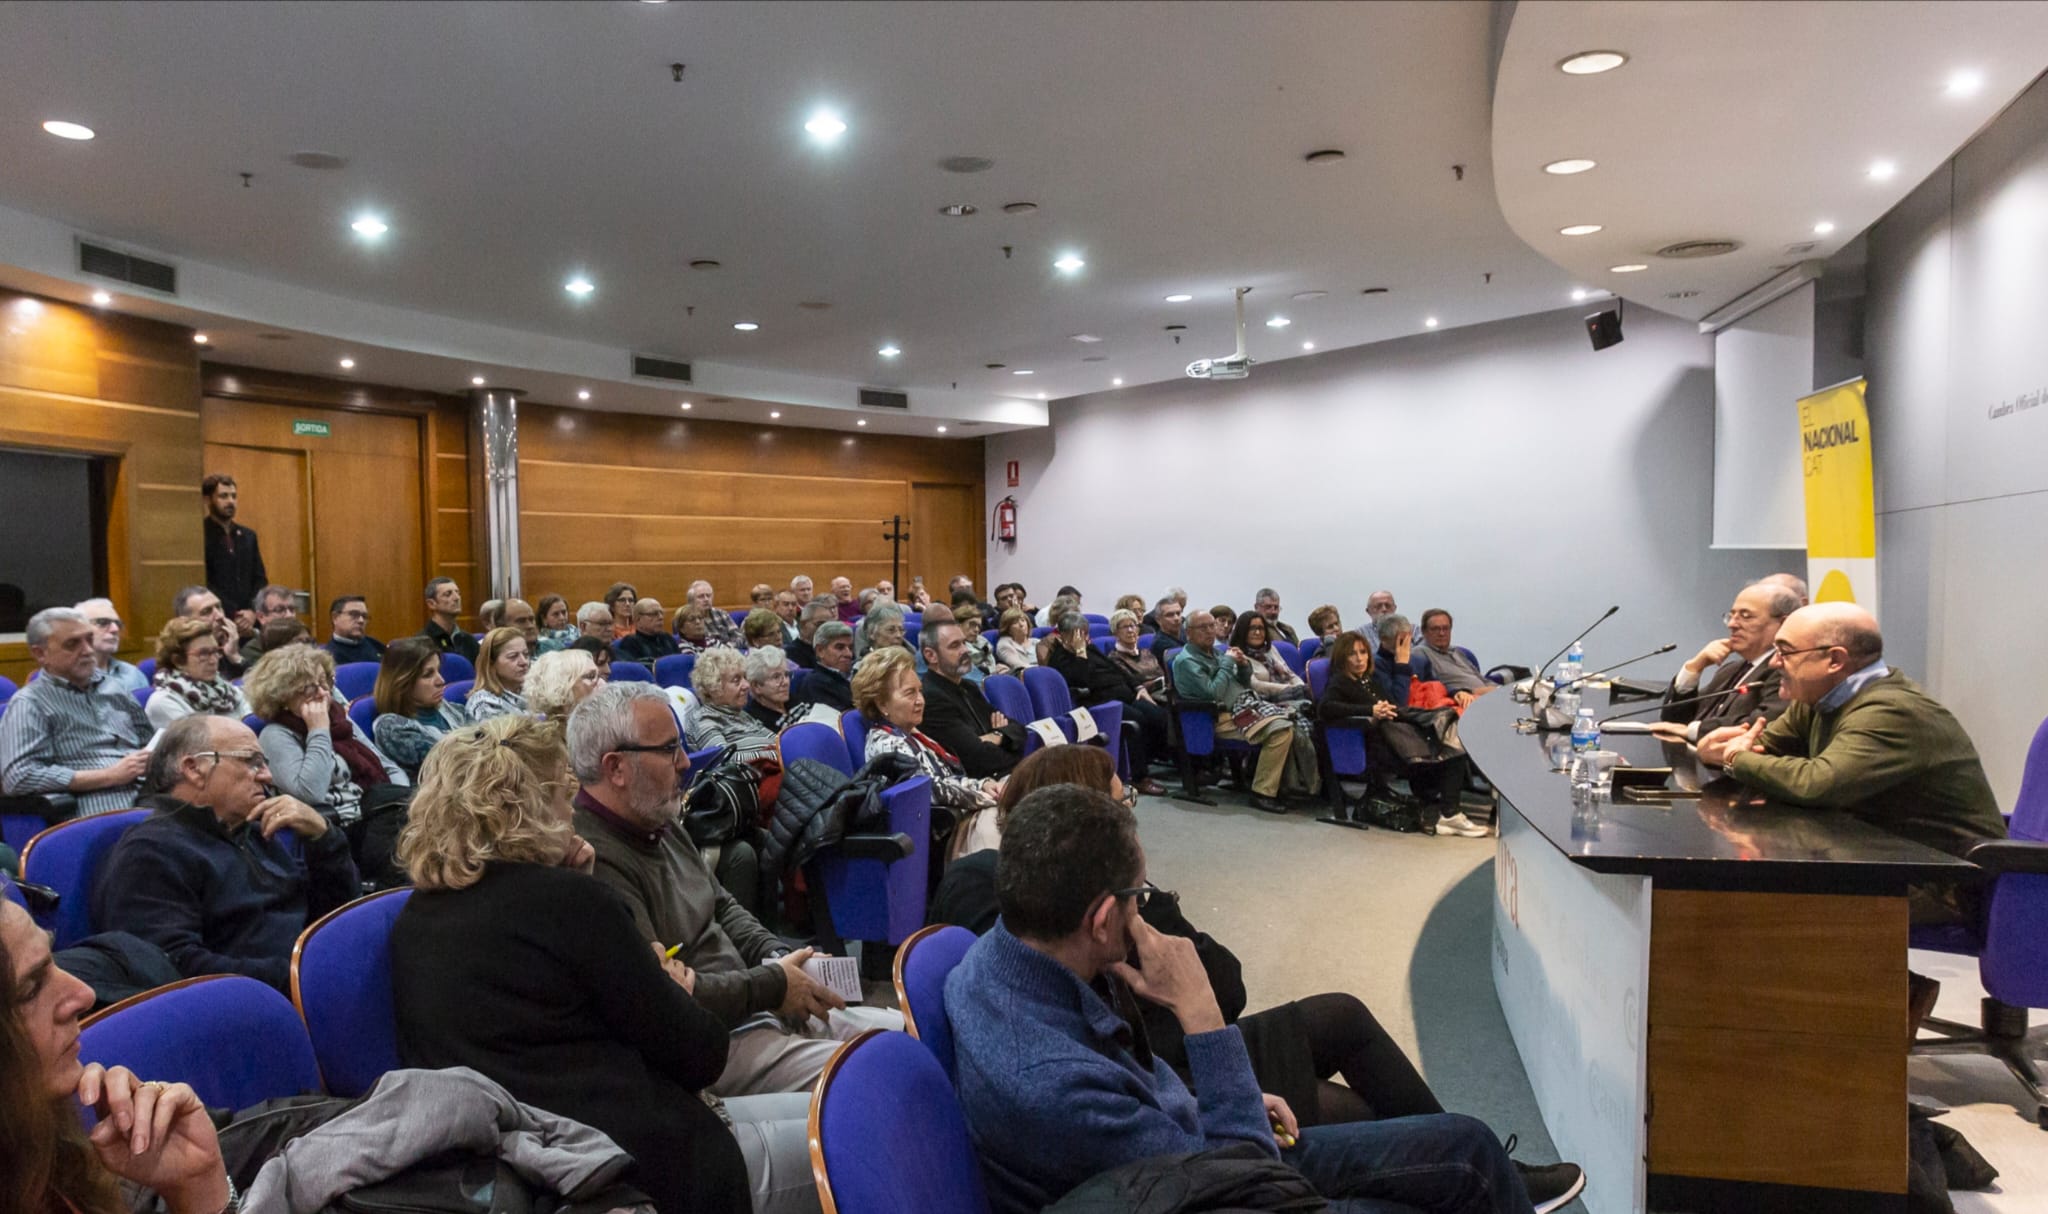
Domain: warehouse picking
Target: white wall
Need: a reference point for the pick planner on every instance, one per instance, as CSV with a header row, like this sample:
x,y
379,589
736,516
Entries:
x,y
1505,472
1763,364
1958,397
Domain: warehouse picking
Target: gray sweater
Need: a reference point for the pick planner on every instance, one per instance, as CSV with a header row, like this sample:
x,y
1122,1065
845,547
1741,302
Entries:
x,y
312,772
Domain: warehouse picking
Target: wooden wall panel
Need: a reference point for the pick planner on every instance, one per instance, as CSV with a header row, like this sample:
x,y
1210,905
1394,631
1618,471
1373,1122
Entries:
x,y
86,381
660,502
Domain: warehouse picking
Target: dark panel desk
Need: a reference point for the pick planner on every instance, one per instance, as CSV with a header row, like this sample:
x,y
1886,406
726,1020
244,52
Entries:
x,y
1709,994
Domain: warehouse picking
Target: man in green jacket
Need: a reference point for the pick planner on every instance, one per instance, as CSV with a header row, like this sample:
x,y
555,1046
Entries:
x,y
1861,737
1200,673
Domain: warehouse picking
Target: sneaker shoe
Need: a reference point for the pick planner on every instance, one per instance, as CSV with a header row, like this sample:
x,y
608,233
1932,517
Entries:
x,y
1550,1186
1459,824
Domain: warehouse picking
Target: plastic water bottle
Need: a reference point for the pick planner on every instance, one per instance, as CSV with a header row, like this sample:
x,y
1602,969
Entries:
x,y
1574,661
1585,732
1564,695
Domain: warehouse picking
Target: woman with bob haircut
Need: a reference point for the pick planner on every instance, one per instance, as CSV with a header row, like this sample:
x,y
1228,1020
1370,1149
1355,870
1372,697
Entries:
x,y
411,713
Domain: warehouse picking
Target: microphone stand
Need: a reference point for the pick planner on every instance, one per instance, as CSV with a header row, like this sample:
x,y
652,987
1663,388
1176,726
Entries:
x,y
1526,691
1546,717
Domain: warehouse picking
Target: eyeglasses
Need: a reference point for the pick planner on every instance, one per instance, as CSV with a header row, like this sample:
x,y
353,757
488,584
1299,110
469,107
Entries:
x,y
1784,653
666,748
251,759
104,623
1144,894
191,654
355,615
1747,617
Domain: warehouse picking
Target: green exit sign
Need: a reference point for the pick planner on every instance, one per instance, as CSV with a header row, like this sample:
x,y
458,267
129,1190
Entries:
x,y
311,429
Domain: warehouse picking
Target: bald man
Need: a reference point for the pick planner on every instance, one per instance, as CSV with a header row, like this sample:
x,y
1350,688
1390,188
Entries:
x,y
1861,737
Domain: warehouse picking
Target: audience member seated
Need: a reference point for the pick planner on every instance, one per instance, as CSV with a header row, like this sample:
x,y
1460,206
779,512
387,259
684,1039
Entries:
x,y
868,597
720,716
586,1020
1272,678
785,1026
762,597
843,600
650,639
557,627
205,877
1046,984
1378,606
520,617
283,631
804,589
960,584
692,633
718,624
1062,606
760,629
1094,678
600,653
348,626
803,650
981,656
1325,622
560,681
1859,736
60,738
1180,599
1133,603
171,1156
502,664
122,678
891,702
594,620
444,623
1438,659
1739,691
1396,739
1169,628
187,678
1226,620
199,603
411,714
1267,603
1203,675
787,610
271,603
1138,661
830,682
1393,663
956,713
767,674
314,751
1011,594
490,615
619,600
881,628
1016,651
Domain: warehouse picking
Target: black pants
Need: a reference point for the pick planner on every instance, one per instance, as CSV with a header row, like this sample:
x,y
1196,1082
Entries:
x,y
1342,1038
1150,740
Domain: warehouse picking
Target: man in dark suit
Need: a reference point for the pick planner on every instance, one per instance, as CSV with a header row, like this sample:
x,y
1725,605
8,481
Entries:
x,y
1745,685
234,562
956,715
802,650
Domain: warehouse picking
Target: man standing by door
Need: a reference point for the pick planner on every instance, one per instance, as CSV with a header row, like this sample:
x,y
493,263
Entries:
x,y
444,613
234,563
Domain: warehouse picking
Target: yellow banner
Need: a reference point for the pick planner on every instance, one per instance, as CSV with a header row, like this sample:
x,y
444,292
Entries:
x,y
1841,518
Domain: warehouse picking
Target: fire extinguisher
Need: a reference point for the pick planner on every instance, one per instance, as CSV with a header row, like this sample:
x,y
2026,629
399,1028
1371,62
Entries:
x,y
1006,521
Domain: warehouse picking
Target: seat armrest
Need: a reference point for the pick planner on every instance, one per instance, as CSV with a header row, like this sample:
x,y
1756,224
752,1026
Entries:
x,y
886,848
1208,706
2000,856
1514,674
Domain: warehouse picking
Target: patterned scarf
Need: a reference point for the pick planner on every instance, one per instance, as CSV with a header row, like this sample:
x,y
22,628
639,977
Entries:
x,y
215,698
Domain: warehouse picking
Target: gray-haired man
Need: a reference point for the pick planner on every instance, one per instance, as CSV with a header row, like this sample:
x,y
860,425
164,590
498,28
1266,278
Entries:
x,y
60,739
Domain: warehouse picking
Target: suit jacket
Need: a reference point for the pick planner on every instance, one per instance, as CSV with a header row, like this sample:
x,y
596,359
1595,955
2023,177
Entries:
x,y
957,714
1758,697
802,653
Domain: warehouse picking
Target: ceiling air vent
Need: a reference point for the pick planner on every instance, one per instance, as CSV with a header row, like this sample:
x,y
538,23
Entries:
x,y
646,367
876,398
103,262
1686,250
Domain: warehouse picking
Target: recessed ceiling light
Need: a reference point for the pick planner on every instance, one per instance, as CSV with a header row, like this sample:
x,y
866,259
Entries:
x,y
1086,338
1019,208
1307,296
1823,228
1579,229
1578,294
1068,263
583,394
860,421
199,338
1118,382
579,286
774,415
348,364
1180,298
101,299
476,381
1308,345
1429,322
67,130
1278,322
1630,268
889,351
1041,396
942,429
1965,83
370,226
959,210
1883,170
826,126
745,326
1591,63
1021,371
1565,168
1325,156
686,405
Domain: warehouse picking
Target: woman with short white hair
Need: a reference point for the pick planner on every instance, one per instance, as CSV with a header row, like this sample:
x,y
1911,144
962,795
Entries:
x,y
881,628
559,681
767,672
720,717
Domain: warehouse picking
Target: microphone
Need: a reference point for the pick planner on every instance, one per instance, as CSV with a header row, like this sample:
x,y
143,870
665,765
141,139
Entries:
x,y
1542,700
1601,674
1526,690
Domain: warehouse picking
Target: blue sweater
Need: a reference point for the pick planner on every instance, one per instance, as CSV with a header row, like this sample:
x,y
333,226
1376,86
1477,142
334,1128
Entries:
x,y
1053,1094
219,901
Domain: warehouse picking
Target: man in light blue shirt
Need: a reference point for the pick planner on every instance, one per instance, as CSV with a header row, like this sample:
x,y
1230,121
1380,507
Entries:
x,y
123,678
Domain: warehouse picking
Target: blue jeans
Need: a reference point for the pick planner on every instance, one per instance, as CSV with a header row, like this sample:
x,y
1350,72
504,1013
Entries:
x,y
1442,1163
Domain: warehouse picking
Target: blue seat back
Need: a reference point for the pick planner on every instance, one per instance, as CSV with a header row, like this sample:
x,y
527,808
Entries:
x,y
1048,693
1043,632
1103,643
1310,648
454,666
341,984
817,741
1318,676
362,713
887,1133
352,679
17,829
7,688
853,731
739,614
1289,654
2014,963
1006,694
673,670
458,691
148,667
991,636
884,900
798,676
624,671
255,723
142,695
68,857
1095,618
234,1039
921,968
1099,630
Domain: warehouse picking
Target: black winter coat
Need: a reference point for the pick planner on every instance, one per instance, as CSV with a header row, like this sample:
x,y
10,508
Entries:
x,y
819,805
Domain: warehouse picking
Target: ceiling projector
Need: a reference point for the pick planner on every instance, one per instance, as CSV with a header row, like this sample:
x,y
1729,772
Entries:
x,y
1230,366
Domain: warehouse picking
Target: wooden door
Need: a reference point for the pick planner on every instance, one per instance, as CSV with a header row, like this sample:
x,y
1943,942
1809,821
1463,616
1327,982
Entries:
x,y
275,499
945,537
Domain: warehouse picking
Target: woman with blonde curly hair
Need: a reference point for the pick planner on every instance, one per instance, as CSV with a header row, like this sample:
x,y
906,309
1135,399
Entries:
x,y
314,751
585,1020
559,681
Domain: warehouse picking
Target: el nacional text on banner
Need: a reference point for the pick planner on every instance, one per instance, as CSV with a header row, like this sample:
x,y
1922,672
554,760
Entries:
x,y
1841,518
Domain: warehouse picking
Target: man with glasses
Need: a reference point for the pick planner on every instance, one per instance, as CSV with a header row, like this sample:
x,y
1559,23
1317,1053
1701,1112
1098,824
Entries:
x,y
62,741
1740,690
1057,1080
272,603
208,877
1861,737
122,678
348,621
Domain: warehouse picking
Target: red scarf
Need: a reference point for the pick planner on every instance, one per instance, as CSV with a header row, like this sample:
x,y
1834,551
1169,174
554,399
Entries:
x,y
364,770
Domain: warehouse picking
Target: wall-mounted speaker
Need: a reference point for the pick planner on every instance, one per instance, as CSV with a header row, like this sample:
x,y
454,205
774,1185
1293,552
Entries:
x,y
1604,328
